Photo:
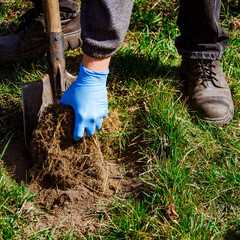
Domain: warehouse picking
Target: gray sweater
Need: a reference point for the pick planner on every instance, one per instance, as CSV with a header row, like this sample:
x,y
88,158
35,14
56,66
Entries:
x,y
104,23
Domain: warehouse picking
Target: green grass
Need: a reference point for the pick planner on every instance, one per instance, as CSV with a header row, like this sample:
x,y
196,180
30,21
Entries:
x,y
188,163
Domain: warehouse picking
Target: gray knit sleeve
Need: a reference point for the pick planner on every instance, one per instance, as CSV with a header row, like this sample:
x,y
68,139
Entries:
x,y
104,25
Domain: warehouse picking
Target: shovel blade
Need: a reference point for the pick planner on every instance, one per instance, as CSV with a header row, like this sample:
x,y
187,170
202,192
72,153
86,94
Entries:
x,y
36,96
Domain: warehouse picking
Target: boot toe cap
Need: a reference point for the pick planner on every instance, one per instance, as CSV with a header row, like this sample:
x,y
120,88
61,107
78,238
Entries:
x,y
214,110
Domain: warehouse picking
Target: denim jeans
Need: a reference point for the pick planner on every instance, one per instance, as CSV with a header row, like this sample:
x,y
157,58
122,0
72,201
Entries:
x,y
105,22
201,35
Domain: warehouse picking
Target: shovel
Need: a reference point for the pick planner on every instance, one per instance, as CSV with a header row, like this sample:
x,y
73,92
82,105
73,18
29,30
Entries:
x,y
38,95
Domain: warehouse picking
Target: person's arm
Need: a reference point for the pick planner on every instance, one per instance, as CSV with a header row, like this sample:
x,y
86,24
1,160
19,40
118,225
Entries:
x,y
104,24
88,96
95,64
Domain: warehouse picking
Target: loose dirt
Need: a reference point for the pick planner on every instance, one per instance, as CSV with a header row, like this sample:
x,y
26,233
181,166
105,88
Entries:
x,y
72,180
66,162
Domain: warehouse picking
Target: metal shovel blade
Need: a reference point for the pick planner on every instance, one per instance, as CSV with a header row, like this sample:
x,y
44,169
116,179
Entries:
x,y
36,96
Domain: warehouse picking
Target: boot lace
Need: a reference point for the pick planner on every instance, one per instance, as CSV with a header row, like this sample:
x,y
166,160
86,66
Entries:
x,y
206,72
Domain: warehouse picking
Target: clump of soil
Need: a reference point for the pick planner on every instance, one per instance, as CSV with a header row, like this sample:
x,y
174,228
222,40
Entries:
x,y
67,163
72,180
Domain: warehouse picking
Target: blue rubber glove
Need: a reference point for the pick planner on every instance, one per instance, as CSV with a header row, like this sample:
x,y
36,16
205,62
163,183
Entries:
x,y
88,97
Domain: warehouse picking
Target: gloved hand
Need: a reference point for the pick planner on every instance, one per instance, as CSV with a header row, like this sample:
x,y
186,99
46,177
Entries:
x,y
88,97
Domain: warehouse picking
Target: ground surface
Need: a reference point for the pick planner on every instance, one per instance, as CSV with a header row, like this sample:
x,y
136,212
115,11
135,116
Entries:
x,y
71,180
188,170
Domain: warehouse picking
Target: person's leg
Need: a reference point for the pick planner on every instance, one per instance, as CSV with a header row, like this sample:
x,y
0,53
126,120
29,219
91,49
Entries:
x,y
68,8
201,44
30,39
201,35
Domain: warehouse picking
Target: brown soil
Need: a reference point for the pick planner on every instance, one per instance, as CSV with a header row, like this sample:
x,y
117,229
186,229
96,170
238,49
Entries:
x,y
72,180
66,162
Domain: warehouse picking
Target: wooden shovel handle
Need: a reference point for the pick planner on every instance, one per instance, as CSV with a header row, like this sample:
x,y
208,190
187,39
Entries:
x,y
52,16
56,66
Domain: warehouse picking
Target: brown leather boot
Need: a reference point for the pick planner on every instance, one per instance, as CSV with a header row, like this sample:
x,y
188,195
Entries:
x,y
207,90
30,41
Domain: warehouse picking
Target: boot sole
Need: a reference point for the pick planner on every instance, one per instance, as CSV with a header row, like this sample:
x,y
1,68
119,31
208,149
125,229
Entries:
x,y
70,40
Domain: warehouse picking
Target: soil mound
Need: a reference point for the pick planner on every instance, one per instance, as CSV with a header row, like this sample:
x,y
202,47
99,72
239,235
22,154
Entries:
x,y
66,163
73,180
